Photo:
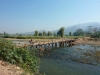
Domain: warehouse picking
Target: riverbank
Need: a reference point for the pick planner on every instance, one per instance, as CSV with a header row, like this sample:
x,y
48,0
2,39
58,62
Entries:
x,y
89,41
73,60
78,54
9,69
21,57
86,40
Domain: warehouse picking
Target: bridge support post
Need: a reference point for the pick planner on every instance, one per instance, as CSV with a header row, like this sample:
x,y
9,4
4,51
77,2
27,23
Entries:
x,y
36,46
52,45
59,44
55,45
65,44
45,46
62,44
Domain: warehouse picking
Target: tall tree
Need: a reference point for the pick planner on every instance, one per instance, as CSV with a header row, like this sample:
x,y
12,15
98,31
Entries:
x,y
70,33
4,33
36,33
95,30
44,33
20,34
40,34
49,33
61,32
79,32
54,34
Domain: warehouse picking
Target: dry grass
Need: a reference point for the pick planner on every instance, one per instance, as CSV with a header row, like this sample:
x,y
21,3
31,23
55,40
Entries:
x,y
87,41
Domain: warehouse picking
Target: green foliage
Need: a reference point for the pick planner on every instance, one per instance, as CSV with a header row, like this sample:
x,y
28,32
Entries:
x,y
6,36
19,56
44,33
49,33
54,34
20,35
34,37
40,34
70,33
36,33
93,33
79,32
4,33
61,32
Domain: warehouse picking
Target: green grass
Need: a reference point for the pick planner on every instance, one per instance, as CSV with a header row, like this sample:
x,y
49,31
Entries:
x,y
42,37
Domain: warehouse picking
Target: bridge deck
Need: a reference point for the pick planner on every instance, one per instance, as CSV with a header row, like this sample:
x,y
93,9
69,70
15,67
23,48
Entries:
x,y
51,42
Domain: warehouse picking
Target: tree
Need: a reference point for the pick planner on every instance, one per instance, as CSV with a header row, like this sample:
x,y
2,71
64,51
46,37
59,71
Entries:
x,y
17,34
98,33
44,33
89,29
20,34
49,33
70,33
40,34
95,30
0,34
54,34
79,32
36,33
4,33
61,32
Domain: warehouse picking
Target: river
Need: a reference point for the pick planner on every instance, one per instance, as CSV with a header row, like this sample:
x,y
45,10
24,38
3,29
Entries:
x,y
63,61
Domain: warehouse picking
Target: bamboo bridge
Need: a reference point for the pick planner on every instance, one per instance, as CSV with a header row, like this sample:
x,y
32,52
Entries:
x,y
53,44
46,47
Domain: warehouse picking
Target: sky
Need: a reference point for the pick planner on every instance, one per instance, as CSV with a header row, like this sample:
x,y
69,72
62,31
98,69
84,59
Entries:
x,y
20,16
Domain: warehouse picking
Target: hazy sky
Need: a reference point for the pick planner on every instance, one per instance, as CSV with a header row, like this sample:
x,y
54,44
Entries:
x,y
18,16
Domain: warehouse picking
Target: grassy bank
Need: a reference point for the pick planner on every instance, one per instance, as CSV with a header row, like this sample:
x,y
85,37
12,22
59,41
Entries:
x,y
42,37
19,56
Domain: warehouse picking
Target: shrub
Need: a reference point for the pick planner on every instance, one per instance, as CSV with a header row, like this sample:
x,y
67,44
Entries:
x,y
19,56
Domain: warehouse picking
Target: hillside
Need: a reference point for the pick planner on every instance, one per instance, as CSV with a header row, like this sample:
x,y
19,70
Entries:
x,y
73,28
83,26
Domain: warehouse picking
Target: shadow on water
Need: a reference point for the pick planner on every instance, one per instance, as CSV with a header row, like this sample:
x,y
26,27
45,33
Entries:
x,y
71,61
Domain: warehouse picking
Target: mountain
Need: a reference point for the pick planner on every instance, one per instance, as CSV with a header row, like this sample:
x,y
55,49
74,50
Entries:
x,y
83,26
33,32
73,28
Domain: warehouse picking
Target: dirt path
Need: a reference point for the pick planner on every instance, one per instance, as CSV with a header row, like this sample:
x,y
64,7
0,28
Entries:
x,y
9,69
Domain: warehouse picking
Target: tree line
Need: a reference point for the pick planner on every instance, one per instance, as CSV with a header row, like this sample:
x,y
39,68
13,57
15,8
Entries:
x,y
93,32
90,32
44,33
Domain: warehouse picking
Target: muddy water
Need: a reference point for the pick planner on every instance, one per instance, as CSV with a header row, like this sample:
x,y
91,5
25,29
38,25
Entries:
x,y
64,61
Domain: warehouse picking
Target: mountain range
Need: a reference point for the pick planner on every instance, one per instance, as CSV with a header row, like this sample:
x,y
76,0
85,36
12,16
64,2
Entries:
x,y
83,26
73,28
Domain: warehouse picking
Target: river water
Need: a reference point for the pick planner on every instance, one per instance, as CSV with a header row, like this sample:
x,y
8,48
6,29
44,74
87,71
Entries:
x,y
66,61
62,61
